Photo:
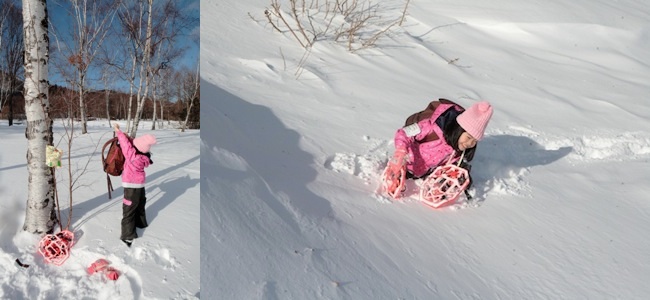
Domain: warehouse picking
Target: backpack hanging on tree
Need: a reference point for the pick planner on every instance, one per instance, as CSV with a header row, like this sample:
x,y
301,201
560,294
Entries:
x,y
113,161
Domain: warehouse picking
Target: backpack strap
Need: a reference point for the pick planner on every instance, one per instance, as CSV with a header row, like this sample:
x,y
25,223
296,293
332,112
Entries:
x,y
110,186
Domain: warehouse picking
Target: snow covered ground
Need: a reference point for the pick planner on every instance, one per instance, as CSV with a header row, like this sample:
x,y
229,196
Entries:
x,y
162,264
291,157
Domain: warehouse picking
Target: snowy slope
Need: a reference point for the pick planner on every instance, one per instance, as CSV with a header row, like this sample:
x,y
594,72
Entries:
x,y
290,167
162,264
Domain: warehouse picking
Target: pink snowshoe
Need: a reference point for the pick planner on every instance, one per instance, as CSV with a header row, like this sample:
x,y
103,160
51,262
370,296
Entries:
x,y
444,185
55,248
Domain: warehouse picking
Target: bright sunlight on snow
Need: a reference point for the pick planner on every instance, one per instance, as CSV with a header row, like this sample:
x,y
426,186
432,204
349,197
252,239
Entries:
x,y
294,143
162,264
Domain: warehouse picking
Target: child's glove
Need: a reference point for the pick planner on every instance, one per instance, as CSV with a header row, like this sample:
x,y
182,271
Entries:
x,y
395,174
101,266
116,126
399,159
98,266
112,273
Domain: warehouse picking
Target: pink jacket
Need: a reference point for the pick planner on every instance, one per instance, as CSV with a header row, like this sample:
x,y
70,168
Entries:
x,y
426,155
133,175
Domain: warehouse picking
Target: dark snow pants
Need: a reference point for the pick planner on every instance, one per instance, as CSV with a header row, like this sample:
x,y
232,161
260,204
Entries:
x,y
133,215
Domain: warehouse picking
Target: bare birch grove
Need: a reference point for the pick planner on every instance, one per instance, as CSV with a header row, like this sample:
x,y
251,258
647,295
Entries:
x,y
145,51
152,31
139,48
91,22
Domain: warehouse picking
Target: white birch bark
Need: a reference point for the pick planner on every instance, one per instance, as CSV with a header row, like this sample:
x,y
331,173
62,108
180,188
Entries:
x,y
191,100
162,114
4,90
153,98
131,86
39,216
144,71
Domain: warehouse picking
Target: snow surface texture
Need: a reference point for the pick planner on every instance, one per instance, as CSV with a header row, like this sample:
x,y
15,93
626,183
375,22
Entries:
x,y
162,264
291,163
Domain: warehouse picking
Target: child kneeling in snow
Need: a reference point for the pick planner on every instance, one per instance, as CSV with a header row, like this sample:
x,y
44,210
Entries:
x,y
430,137
136,158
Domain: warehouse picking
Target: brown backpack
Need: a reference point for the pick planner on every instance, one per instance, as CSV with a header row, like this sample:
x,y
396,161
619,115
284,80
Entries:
x,y
113,161
427,113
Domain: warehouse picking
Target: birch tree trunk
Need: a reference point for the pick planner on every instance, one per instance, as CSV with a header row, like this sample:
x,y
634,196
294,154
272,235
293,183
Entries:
x,y
144,71
107,79
131,86
12,60
153,98
4,91
193,95
82,103
162,114
107,94
40,214
187,116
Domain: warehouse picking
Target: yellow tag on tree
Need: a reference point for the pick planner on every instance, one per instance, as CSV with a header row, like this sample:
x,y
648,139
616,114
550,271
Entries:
x,y
53,156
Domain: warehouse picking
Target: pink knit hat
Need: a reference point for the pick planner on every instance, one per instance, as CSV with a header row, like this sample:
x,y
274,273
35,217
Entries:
x,y
144,143
475,119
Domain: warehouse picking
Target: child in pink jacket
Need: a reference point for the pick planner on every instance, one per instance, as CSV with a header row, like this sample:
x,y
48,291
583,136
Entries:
x,y
446,130
137,158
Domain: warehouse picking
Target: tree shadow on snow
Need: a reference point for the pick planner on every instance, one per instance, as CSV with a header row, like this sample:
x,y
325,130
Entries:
x,y
10,223
155,203
170,190
501,157
265,152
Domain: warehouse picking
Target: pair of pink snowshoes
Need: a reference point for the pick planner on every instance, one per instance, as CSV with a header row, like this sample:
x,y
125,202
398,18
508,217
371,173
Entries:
x,y
442,188
55,249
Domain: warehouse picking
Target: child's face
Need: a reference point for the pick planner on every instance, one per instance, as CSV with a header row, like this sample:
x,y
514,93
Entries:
x,y
466,141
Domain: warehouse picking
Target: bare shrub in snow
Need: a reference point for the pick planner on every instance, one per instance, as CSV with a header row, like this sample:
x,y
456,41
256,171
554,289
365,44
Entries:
x,y
357,24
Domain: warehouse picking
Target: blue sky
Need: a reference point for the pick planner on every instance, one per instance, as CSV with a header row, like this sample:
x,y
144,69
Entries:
x,y
60,19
